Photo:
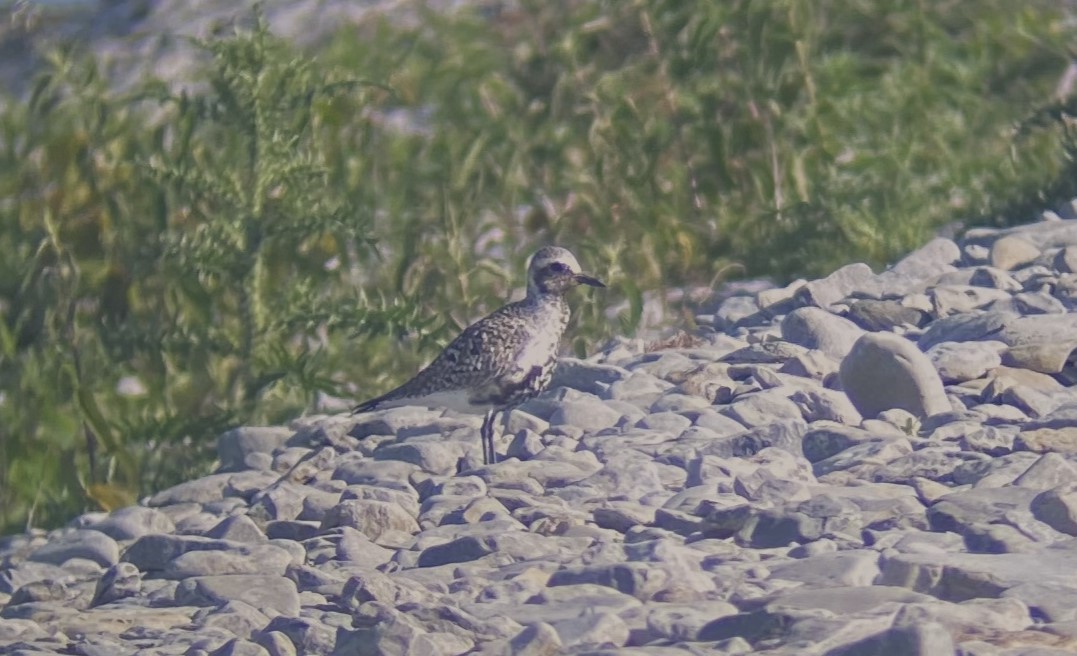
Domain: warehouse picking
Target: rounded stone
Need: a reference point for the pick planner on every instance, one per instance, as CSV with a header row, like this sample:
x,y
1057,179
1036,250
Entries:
x,y
1012,251
815,328
885,371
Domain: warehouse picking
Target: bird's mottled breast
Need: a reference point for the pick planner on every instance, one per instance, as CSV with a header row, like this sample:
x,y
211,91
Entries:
x,y
548,322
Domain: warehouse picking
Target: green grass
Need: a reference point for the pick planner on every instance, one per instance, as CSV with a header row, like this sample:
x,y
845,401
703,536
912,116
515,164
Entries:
x,y
308,226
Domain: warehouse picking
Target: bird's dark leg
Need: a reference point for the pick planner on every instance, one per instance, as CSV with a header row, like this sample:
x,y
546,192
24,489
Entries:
x,y
489,456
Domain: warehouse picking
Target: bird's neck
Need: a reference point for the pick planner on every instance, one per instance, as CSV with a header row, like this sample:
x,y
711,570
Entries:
x,y
547,299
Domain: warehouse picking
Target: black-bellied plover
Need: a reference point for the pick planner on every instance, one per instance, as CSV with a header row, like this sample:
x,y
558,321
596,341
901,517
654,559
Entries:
x,y
503,359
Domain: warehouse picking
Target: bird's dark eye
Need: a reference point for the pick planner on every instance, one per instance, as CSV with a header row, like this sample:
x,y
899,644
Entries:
x,y
559,267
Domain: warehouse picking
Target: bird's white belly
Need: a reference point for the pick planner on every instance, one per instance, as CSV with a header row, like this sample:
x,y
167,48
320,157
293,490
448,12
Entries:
x,y
539,350
458,400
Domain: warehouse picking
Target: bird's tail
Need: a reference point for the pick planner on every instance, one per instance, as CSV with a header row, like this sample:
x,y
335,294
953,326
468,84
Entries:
x,y
372,404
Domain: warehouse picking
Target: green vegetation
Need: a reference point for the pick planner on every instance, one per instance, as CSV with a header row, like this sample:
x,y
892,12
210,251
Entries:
x,y
171,265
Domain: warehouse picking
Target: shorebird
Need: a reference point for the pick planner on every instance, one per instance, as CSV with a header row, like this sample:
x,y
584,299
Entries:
x,y
503,359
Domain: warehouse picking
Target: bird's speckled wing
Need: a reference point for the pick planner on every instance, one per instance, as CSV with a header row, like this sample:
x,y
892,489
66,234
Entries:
x,y
482,353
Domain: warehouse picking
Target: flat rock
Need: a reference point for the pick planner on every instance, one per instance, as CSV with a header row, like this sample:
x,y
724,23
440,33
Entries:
x,y
963,576
873,315
87,544
827,291
373,518
272,593
857,567
134,522
957,362
234,446
200,490
587,415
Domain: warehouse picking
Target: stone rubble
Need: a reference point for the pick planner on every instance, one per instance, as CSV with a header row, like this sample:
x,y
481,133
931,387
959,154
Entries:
x,y
861,464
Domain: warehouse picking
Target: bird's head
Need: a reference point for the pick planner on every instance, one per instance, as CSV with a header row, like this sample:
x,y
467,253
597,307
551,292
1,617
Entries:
x,y
554,270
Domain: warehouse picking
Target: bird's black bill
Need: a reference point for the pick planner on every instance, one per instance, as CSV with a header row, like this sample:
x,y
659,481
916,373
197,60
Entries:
x,y
588,280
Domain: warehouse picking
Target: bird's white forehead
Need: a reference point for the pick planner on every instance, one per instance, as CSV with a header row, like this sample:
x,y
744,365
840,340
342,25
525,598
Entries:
x,y
550,254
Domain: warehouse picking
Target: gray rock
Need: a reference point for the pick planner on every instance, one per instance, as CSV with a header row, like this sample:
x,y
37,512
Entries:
x,y
930,260
120,581
1054,602
813,364
586,376
273,593
766,529
826,439
308,635
157,553
436,457
858,567
950,300
14,576
911,639
201,490
1057,507
593,631
826,405
239,647
1030,303
639,580
884,371
372,518
814,328
1012,251
734,309
1048,440
960,510
538,639
392,421
588,415
354,469
248,559
957,362
1065,260
461,550
238,528
762,408
962,576
876,316
772,352
237,617
966,328
1048,471
835,287
682,622
992,440
1045,357
235,445
864,457
785,435
1023,331
47,590
933,463
84,543
134,522
777,298
669,422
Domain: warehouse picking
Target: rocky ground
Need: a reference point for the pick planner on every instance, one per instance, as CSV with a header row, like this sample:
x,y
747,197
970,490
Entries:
x,y
715,493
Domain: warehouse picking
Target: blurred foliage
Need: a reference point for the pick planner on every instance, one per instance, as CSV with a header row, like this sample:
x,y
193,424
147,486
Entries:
x,y
291,230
